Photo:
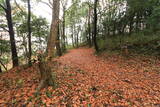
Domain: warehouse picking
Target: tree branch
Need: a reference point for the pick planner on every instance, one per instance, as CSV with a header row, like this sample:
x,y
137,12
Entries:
x,y
18,5
3,65
4,28
48,4
3,7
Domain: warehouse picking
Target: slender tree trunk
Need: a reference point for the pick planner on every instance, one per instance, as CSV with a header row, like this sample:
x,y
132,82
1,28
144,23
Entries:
x,y
137,22
130,27
95,26
63,37
77,40
114,29
89,27
0,70
54,29
11,33
58,47
25,47
74,35
29,33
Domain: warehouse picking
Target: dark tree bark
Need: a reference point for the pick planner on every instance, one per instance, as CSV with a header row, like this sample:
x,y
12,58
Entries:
x,y
95,26
29,33
77,40
89,27
0,70
63,35
3,65
137,21
11,33
58,47
72,39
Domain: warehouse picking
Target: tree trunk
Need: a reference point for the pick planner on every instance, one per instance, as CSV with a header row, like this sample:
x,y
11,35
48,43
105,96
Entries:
x,y
58,48
95,26
11,33
89,27
0,70
77,40
137,22
45,70
54,29
29,33
45,73
63,35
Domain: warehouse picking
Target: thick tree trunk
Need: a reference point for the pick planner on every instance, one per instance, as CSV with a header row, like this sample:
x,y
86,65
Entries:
x,y
95,26
45,70
29,33
11,33
54,29
45,73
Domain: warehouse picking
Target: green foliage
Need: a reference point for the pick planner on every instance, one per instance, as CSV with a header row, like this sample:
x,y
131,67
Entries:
x,y
137,42
40,27
75,12
4,46
154,19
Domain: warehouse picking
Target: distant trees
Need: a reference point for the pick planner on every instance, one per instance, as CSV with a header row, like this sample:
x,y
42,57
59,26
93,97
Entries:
x,y
128,16
82,22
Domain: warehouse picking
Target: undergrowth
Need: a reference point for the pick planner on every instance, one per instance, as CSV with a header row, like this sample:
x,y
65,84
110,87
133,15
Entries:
x,y
137,43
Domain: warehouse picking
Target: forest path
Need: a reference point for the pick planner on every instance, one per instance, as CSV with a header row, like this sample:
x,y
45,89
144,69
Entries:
x,y
86,80
118,80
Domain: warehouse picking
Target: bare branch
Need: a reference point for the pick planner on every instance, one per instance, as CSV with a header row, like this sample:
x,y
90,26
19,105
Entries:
x,y
3,65
18,5
48,4
3,7
4,28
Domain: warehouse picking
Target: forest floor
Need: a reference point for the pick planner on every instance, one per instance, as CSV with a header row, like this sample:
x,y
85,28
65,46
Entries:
x,y
87,80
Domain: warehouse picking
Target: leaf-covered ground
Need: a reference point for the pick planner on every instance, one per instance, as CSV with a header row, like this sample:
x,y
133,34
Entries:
x,y
86,80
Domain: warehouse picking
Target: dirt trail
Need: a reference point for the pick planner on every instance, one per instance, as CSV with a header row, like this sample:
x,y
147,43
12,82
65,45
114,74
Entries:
x,y
127,80
86,80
